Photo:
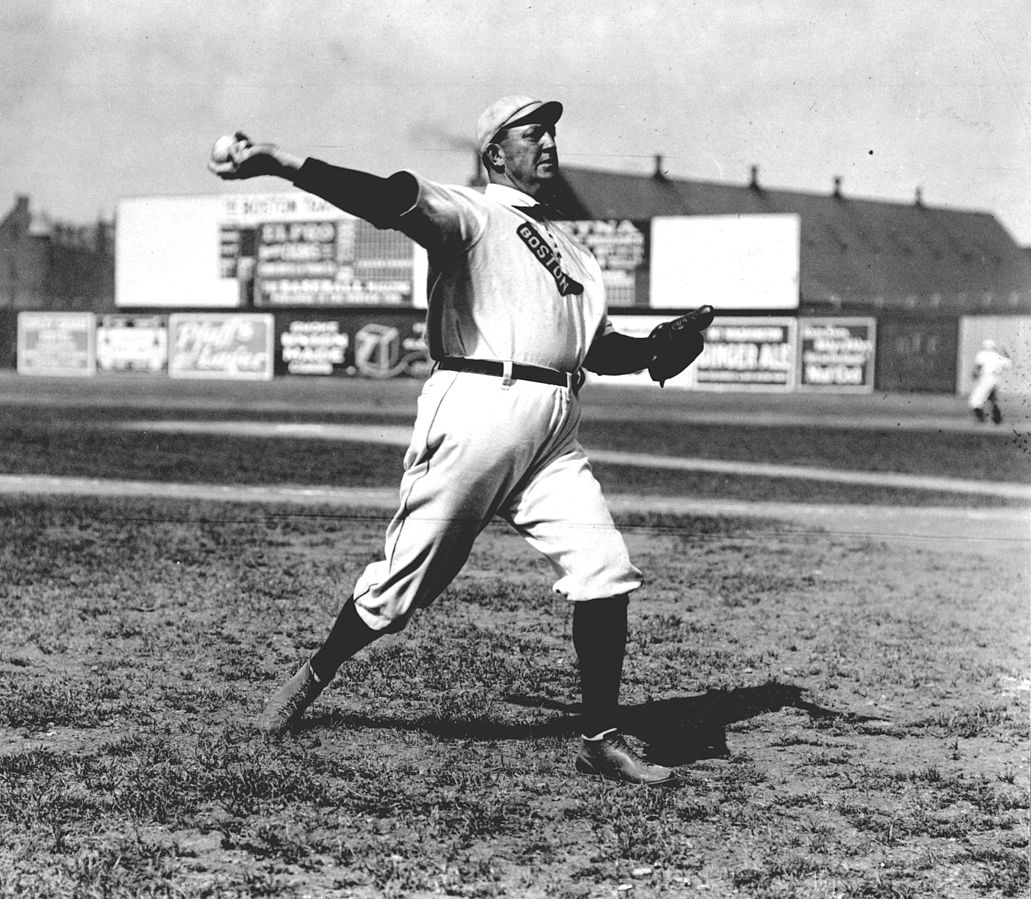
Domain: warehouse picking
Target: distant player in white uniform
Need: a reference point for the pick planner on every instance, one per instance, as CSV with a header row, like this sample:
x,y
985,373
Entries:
x,y
989,364
516,310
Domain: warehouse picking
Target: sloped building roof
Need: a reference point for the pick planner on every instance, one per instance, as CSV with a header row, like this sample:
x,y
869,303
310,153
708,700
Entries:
x,y
854,252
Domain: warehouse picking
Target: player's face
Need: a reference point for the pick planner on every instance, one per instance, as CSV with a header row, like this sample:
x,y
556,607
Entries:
x,y
531,157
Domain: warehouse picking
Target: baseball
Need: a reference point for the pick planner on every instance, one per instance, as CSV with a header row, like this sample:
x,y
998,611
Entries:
x,y
221,148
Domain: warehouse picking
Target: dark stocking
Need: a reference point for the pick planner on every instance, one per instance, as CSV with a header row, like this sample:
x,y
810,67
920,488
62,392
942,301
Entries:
x,y
349,634
599,637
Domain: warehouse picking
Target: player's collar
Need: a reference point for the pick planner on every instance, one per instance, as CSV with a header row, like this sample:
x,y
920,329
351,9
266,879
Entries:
x,y
517,199
510,196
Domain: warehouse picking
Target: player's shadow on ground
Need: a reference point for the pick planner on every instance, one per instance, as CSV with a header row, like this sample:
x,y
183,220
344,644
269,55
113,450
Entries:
x,y
675,731
683,729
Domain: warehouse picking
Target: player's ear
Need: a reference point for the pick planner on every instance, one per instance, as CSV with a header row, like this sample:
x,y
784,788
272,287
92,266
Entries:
x,y
494,157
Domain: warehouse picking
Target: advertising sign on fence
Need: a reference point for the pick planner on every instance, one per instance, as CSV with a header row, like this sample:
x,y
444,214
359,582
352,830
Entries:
x,y
387,350
313,346
836,354
369,344
916,353
59,344
747,354
221,345
132,343
621,248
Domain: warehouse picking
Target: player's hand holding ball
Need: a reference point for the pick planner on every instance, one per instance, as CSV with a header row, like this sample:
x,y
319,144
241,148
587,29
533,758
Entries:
x,y
234,157
221,150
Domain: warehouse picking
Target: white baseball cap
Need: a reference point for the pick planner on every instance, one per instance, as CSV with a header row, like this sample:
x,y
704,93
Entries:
x,y
514,110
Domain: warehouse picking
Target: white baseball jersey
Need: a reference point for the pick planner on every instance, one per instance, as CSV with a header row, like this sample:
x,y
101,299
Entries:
x,y
989,364
495,279
506,287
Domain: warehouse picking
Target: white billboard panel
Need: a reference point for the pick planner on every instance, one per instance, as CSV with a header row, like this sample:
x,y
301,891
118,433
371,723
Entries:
x,y
733,262
167,254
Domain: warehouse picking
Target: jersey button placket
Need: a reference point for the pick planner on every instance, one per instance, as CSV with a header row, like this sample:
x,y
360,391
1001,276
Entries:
x,y
552,239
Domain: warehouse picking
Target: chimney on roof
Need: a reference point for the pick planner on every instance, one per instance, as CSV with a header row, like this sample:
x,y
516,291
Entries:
x,y
659,174
837,187
753,181
918,200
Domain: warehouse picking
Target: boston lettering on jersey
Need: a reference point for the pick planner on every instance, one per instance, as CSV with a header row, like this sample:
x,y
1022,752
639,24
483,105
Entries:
x,y
546,256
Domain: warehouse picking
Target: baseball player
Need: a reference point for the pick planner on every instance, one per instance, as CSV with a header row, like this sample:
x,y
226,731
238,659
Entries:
x,y
989,364
516,309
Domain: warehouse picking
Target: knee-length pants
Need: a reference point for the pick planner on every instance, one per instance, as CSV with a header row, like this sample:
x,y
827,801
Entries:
x,y
482,446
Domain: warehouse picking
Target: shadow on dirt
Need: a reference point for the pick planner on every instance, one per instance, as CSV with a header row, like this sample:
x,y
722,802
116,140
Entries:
x,y
676,731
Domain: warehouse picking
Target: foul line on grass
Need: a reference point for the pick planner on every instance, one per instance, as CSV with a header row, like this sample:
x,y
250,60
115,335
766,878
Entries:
x,y
398,435
946,525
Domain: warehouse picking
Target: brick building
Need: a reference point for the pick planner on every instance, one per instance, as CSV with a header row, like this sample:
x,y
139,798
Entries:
x,y
52,265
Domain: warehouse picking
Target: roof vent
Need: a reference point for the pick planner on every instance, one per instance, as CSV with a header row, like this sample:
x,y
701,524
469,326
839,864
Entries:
x,y
918,199
660,172
753,181
837,187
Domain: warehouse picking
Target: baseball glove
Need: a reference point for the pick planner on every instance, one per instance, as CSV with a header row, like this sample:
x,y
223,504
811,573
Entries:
x,y
677,343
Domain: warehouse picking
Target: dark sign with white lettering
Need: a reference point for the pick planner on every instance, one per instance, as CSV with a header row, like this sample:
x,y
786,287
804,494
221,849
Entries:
x,y
546,256
315,346
368,344
621,248
346,262
836,355
747,354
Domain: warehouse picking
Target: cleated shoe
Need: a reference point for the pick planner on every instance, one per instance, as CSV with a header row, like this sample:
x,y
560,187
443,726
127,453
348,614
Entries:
x,y
612,759
286,707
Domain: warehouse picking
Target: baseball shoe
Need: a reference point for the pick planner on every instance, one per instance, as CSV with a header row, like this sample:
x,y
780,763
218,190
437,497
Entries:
x,y
285,708
612,759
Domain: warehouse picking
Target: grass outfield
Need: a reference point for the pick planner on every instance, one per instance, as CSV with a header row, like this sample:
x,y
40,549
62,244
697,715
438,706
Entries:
x,y
95,442
848,716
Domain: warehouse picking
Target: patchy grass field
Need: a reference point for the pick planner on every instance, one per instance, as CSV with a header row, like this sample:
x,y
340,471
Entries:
x,y
849,717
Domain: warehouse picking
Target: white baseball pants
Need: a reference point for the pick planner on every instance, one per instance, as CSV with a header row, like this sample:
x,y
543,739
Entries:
x,y
482,447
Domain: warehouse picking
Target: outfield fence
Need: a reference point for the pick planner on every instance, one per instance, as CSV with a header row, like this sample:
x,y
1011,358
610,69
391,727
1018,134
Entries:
x,y
890,352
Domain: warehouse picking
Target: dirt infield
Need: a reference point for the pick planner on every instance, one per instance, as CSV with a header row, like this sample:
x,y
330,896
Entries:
x,y
842,688
847,716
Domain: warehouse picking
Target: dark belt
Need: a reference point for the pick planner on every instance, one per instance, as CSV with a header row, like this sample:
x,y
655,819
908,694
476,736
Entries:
x,y
519,372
